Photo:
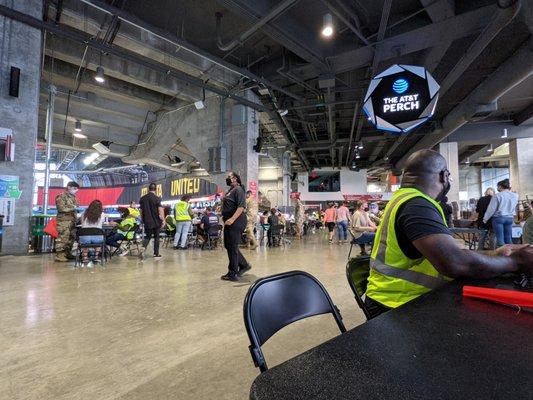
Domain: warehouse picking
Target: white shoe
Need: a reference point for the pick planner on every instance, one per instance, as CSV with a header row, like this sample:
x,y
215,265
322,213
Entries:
x,y
89,265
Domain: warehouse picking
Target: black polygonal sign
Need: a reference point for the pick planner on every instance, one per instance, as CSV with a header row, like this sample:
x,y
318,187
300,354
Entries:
x,y
401,98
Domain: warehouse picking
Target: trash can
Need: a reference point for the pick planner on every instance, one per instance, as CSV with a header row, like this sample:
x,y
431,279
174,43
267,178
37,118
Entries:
x,y
40,241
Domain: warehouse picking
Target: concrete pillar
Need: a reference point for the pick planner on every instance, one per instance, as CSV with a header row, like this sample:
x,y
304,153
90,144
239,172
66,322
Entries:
x,y
521,166
20,47
450,152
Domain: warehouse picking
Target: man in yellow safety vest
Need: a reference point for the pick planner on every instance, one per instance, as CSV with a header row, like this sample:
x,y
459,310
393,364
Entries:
x,y
414,251
183,216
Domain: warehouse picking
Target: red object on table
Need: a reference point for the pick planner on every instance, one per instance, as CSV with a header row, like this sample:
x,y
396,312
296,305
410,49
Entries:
x,y
509,297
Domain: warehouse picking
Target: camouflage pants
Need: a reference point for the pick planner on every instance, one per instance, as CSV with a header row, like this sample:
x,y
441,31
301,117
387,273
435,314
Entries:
x,y
250,236
66,229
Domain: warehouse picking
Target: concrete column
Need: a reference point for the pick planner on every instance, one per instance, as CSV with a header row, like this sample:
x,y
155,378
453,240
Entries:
x,y
20,47
521,166
450,152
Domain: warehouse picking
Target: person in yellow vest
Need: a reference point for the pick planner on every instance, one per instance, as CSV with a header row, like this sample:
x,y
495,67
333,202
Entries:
x,y
133,210
183,217
125,229
414,250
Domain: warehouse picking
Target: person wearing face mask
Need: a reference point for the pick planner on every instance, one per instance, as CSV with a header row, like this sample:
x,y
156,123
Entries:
x,y
234,217
66,205
414,250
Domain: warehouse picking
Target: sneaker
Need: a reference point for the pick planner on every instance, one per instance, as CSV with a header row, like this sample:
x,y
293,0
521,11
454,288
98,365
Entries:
x,y
158,257
89,264
331,242
229,277
61,257
244,270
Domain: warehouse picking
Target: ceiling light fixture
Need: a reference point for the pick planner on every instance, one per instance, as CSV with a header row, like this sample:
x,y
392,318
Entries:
x,y
504,133
99,77
467,161
79,135
490,149
283,112
357,155
77,126
90,158
360,145
102,147
327,25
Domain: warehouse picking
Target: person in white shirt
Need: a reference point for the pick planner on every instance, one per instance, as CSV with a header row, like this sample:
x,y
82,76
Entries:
x,y
91,218
502,209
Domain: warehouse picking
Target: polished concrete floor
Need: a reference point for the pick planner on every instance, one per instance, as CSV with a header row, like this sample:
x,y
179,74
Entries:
x,y
168,329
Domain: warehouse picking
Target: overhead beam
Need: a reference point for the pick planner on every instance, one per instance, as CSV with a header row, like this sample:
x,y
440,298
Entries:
x,y
438,11
524,117
63,74
71,52
418,39
248,11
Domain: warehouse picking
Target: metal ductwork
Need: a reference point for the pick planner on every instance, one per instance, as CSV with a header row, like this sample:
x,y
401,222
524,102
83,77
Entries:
x,y
512,72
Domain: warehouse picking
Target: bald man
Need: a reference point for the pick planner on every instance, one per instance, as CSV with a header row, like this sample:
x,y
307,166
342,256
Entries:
x,y
414,251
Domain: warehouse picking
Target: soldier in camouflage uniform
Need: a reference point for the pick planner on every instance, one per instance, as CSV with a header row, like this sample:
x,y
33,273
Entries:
x,y
251,218
66,205
299,218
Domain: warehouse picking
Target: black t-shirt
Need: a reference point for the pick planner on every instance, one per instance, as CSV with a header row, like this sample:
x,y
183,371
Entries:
x,y
234,199
150,204
208,220
415,219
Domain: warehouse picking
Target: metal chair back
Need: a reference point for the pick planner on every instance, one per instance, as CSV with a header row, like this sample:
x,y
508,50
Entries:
x,y
276,301
357,273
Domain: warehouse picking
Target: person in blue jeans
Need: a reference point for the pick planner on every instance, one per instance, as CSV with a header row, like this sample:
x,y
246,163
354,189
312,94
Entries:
x,y
343,220
502,209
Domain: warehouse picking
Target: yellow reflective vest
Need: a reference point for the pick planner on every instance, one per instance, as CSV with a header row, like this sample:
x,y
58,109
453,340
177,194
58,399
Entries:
x,y
394,278
181,211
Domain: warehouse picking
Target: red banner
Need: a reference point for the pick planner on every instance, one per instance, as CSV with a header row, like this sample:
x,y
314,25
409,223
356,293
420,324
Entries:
x,y
108,196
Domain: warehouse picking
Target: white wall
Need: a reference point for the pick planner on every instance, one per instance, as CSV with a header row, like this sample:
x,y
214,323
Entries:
x,y
270,181
351,183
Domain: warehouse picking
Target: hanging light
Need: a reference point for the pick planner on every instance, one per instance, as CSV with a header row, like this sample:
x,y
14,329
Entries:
x,y
386,158
77,126
327,25
99,77
357,155
79,135
467,161
490,149
504,133
360,145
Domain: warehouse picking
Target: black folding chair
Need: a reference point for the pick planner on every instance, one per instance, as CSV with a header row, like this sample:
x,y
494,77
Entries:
x,y
80,232
357,273
135,239
276,301
213,237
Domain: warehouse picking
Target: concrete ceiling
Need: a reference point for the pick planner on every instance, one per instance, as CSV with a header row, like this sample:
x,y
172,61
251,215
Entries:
x,y
288,55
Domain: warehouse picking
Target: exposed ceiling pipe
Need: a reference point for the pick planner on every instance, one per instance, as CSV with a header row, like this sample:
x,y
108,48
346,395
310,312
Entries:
x,y
506,12
352,129
177,41
98,171
513,71
275,12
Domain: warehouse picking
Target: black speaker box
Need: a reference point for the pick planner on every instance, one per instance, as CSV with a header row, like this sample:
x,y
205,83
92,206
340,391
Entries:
x,y
14,81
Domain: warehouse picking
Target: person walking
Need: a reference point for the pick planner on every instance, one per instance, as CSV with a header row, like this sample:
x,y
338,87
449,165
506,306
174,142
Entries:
x,y
330,219
363,229
481,209
343,220
502,209
183,216
153,218
251,216
66,205
234,217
